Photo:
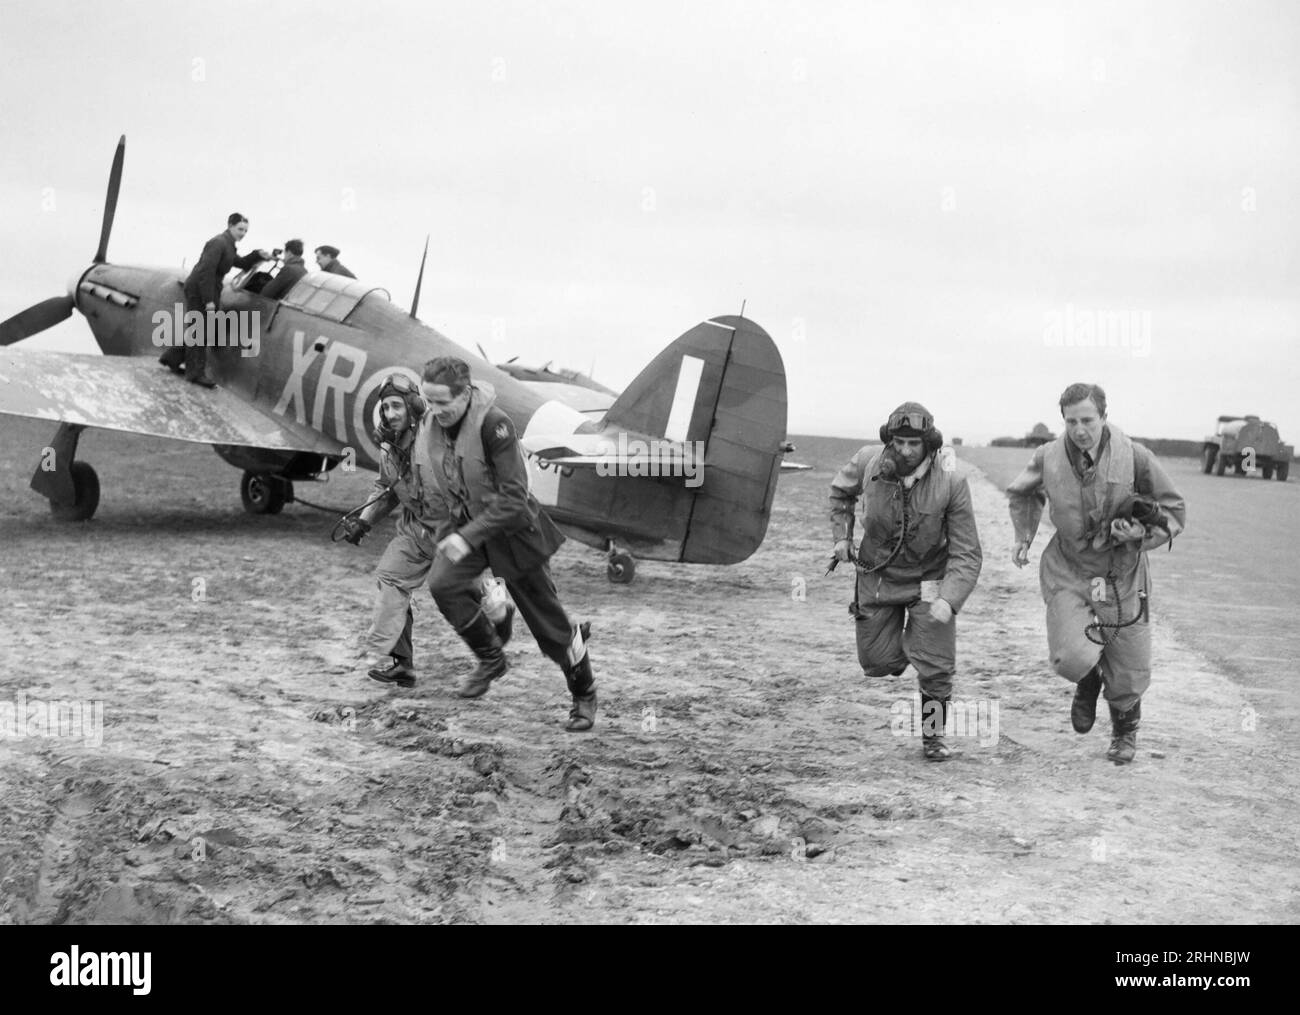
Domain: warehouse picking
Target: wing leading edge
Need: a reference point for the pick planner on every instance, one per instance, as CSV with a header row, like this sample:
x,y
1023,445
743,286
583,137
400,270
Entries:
x,y
134,395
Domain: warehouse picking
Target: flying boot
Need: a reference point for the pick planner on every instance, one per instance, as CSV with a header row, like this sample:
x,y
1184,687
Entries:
x,y
1083,709
505,627
1124,727
482,638
932,745
582,685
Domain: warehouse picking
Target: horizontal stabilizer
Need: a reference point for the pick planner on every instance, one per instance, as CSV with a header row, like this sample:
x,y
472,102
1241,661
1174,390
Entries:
x,y
584,400
617,456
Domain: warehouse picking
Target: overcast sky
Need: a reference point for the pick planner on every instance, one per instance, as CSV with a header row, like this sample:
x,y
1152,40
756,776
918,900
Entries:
x,y
918,201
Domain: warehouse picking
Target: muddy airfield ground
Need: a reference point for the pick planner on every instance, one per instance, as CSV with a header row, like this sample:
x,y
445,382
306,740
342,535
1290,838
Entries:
x,y
742,768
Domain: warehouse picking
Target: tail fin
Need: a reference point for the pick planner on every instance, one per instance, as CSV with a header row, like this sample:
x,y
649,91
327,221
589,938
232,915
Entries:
x,y
723,384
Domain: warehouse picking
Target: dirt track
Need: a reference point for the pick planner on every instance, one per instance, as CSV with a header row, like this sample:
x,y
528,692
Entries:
x,y
742,770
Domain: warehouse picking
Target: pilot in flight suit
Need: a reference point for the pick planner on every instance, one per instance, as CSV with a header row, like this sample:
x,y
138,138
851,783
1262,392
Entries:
x,y
919,560
479,466
1094,573
404,566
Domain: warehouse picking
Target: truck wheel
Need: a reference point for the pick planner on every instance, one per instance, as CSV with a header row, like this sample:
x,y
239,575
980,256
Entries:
x,y
1283,470
1220,464
1210,454
1267,470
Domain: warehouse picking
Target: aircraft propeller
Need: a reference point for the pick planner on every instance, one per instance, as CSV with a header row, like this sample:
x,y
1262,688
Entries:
x,y
110,201
48,313
35,319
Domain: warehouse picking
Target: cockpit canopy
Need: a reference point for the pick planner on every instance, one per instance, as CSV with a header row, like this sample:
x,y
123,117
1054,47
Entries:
x,y
333,297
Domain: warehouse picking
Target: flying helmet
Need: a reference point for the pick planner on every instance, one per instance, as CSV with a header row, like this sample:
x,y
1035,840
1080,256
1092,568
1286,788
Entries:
x,y
409,392
912,419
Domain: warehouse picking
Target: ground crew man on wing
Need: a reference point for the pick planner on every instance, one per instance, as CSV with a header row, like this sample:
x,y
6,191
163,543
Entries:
x,y
479,466
406,480
203,296
1094,573
918,562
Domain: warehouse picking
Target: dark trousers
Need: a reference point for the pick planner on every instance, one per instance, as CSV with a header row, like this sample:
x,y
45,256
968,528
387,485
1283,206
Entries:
x,y
174,355
890,637
454,588
195,357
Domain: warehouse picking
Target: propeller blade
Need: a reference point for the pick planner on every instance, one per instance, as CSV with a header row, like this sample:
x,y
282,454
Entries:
x,y
415,301
110,201
481,352
512,359
35,319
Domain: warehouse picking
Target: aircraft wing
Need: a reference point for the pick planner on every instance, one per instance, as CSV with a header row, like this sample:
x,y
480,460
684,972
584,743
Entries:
x,y
134,394
575,396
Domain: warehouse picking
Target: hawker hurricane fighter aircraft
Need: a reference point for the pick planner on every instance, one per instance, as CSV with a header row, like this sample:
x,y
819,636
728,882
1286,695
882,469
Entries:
x,y
682,466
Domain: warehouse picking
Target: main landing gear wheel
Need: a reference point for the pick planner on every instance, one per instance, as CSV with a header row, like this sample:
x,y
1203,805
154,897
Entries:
x,y
264,494
85,484
621,568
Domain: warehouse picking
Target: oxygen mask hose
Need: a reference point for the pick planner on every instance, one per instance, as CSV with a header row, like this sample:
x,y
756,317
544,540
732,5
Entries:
x,y
1100,626
340,525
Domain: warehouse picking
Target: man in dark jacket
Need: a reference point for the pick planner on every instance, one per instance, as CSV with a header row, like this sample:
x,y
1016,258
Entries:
x,y
327,258
289,273
919,560
496,522
203,294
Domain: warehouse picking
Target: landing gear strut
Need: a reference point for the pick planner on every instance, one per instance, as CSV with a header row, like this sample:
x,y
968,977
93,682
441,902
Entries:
x,y
621,567
264,494
71,487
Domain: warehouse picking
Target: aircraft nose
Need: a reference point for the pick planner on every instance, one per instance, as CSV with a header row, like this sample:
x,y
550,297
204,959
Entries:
x,y
74,282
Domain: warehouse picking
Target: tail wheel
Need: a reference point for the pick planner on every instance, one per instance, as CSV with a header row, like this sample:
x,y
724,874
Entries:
x,y
1210,454
262,493
85,485
621,568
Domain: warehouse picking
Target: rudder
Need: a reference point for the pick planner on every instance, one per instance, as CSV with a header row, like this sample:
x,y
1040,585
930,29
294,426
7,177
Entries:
x,y
723,384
